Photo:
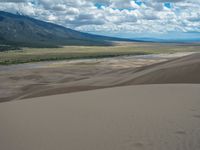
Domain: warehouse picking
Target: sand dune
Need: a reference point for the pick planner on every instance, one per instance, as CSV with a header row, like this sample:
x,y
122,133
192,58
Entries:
x,y
142,117
50,78
145,117
181,70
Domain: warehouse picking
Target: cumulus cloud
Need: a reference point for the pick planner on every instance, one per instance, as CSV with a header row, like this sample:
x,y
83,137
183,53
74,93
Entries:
x,y
173,1
13,1
127,16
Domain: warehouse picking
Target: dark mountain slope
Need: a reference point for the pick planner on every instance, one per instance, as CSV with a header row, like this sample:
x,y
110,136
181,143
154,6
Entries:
x,y
18,30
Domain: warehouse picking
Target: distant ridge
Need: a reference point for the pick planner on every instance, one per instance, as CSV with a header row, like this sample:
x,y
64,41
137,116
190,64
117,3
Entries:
x,y
23,31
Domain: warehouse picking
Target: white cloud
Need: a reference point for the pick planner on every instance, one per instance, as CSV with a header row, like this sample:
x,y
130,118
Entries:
x,y
132,16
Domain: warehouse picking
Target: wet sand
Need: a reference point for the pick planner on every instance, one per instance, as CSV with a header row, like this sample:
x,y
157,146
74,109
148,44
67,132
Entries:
x,y
144,117
50,78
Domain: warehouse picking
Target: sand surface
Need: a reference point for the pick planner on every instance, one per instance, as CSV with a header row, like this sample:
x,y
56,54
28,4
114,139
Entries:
x,y
181,70
144,117
50,78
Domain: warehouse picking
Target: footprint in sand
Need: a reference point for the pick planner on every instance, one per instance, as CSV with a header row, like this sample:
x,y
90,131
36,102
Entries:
x,y
180,132
193,109
138,145
135,145
196,116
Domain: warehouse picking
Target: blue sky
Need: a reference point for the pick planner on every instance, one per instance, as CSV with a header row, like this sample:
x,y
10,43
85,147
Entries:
x,y
176,19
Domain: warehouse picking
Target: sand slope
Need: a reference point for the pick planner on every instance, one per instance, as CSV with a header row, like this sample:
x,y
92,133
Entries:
x,y
50,78
181,70
147,117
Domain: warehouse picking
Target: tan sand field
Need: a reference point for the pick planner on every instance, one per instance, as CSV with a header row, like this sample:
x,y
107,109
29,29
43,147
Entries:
x,y
163,115
50,78
145,117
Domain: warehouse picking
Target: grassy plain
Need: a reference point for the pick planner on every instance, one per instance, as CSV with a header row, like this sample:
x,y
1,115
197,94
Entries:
x,y
27,55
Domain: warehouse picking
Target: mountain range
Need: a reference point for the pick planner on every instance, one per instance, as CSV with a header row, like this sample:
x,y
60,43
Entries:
x,y
23,31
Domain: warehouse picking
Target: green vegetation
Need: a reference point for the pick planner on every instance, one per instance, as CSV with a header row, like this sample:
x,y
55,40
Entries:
x,y
8,48
26,55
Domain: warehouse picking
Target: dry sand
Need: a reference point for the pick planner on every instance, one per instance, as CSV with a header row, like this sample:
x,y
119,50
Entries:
x,y
50,78
182,70
142,117
145,117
